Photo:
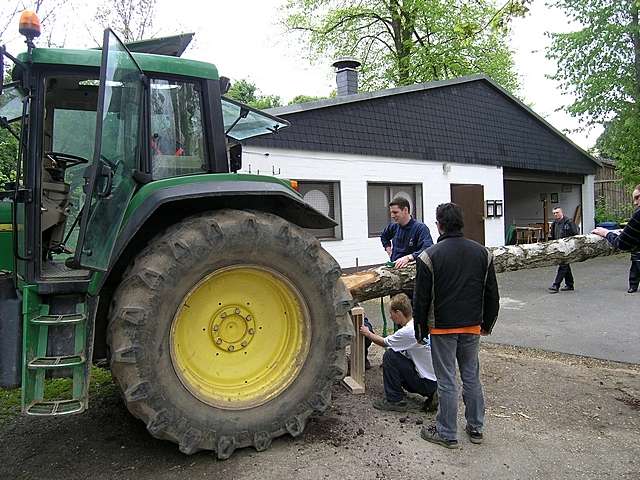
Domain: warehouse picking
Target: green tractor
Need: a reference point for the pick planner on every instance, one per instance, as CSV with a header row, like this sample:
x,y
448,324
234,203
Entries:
x,y
128,235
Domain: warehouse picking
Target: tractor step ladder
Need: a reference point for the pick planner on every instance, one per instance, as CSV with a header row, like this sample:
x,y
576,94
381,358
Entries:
x,y
36,363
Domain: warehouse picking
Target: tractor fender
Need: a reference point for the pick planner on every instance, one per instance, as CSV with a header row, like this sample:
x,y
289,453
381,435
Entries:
x,y
164,206
159,208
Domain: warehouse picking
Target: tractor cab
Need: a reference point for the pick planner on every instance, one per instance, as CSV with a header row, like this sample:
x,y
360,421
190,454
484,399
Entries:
x,y
94,127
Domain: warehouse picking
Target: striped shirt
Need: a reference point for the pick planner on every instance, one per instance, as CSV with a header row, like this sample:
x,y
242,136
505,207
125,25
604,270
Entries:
x,y
629,238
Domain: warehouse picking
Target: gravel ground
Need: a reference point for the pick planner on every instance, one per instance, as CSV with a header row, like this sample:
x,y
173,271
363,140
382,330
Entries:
x,y
548,416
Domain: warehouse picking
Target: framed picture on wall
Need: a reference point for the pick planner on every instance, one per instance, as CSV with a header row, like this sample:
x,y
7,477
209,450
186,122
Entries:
x,y
554,198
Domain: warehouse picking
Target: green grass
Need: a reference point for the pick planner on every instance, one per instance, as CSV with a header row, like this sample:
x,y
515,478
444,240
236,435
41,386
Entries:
x,y
57,388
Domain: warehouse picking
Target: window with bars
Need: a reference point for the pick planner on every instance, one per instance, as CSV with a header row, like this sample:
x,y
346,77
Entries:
x,y
378,197
324,197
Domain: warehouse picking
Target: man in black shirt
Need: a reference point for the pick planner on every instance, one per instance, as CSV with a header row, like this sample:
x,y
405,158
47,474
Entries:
x,y
456,300
562,227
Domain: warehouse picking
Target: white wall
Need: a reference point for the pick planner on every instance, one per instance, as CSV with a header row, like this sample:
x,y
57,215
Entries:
x,y
354,171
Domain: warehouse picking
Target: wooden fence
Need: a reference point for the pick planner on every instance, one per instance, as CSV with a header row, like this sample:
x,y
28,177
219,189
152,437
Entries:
x,y
610,193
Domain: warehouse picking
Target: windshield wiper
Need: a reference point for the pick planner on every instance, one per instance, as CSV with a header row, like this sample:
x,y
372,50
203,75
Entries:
x,y
243,114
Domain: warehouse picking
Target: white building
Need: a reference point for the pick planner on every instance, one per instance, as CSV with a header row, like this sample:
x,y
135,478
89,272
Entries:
x,y
465,140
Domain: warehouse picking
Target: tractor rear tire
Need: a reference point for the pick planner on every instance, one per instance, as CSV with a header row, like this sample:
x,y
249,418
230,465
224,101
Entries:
x,y
278,300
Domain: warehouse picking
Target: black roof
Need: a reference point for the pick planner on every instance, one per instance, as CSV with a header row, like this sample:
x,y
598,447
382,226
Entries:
x,y
467,120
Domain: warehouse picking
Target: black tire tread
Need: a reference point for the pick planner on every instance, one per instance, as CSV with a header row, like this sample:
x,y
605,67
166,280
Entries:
x,y
145,277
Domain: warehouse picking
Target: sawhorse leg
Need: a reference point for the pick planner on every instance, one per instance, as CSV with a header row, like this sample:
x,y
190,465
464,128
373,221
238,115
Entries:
x,y
355,381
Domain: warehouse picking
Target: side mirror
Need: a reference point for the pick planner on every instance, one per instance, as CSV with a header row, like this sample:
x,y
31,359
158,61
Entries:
x,y
225,85
235,157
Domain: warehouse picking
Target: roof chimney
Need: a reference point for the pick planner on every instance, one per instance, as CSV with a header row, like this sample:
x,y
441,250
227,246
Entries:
x,y
346,75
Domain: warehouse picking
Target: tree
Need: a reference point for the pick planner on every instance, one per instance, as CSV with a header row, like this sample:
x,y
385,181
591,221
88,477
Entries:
x,y
8,14
599,64
47,10
8,156
246,91
8,150
132,20
304,99
401,42
621,141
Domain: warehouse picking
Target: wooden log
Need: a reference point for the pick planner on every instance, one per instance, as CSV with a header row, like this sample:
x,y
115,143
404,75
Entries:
x,y
355,381
382,281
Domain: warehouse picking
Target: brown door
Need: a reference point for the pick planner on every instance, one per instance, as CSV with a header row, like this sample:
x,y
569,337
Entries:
x,y
471,199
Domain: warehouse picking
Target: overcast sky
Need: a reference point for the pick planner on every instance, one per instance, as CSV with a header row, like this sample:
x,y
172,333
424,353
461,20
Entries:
x,y
244,39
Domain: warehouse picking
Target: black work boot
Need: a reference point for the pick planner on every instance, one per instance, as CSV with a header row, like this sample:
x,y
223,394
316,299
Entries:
x,y
430,434
430,405
386,405
474,435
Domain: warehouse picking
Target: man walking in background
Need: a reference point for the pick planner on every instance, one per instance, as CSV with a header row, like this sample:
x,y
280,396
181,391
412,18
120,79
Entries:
x,y
562,227
455,301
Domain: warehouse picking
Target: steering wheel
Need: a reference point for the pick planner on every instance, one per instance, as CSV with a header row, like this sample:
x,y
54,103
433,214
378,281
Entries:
x,y
65,160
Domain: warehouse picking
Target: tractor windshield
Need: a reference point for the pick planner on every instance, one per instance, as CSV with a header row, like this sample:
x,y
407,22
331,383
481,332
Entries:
x,y
242,121
11,102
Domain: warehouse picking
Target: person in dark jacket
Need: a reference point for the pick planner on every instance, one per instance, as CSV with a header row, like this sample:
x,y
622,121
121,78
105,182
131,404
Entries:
x,y
456,301
562,227
628,239
406,237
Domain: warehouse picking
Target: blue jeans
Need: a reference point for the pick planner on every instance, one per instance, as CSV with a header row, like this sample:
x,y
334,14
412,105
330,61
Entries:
x,y
445,350
399,374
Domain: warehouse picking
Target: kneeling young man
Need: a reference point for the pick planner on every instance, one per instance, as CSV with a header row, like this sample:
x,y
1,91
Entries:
x,y
406,365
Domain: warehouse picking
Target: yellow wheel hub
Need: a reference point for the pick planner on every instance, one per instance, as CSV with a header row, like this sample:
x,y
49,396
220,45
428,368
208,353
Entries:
x,y
240,337
233,328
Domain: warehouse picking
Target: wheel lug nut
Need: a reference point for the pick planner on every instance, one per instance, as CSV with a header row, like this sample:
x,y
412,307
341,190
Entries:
x,y
248,318
244,344
251,331
216,328
231,348
237,310
218,341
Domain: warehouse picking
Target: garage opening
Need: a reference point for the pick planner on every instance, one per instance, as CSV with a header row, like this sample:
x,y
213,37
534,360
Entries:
x,y
529,201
